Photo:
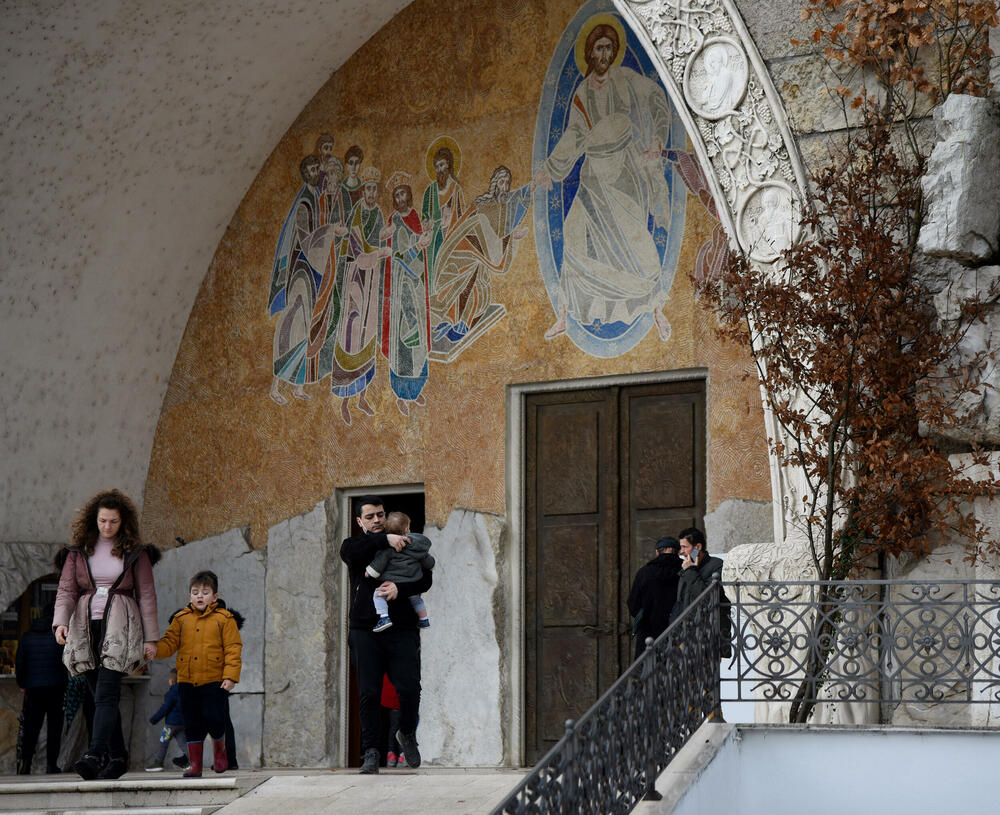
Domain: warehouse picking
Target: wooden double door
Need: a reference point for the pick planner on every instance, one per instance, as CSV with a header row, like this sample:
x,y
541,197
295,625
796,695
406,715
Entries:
x,y
607,472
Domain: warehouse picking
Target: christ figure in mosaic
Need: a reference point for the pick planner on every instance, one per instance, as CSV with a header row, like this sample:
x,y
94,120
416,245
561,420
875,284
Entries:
x,y
619,122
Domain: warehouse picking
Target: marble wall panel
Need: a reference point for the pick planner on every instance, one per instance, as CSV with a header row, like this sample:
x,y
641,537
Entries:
x,y
299,659
240,570
461,702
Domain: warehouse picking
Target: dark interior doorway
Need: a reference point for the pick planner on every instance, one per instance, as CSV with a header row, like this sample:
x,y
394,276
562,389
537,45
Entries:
x,y
412,504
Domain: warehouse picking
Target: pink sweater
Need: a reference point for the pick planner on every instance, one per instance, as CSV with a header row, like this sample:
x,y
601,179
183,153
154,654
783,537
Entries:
x,y
105,568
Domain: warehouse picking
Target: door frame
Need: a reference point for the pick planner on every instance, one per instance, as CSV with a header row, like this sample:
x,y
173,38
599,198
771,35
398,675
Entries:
x,y
515,500
344,497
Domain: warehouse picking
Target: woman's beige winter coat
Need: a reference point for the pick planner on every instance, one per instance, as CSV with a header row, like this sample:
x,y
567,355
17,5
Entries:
x,y
129,616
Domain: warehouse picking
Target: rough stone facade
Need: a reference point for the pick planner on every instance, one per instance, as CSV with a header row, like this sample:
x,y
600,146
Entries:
x,y
462,653
736,522
304,621
960,184
22,564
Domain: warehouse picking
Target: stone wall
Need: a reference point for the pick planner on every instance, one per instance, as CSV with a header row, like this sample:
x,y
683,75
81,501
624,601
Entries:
x,y
304,640
462,653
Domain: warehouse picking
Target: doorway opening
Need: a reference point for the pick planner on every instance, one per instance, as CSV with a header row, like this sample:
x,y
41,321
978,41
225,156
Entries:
x,y
408,499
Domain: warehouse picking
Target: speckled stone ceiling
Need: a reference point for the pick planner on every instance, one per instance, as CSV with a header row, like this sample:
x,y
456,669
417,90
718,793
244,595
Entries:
x,y
129,133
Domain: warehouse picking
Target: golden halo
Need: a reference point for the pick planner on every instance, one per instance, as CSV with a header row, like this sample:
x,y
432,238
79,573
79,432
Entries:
x,y
590,25
437,144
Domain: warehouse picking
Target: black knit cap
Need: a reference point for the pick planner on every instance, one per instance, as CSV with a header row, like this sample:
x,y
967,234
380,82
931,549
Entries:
x,y
668,542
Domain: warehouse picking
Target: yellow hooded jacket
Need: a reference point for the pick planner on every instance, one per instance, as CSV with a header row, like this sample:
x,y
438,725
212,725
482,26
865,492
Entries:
x,y
207,644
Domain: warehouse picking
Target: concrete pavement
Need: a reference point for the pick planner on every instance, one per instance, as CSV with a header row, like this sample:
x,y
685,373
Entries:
x,y
429,791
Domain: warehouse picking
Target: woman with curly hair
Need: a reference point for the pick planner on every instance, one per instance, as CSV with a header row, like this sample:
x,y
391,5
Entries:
x,y
105,615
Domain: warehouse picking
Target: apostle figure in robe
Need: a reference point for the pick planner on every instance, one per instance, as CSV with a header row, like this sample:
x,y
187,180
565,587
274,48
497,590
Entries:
x,y
351,186
443,203
479,245
619,122
405,303
293,285
357,329
327,246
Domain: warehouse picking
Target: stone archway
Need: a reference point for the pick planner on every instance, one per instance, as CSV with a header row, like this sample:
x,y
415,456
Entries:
x,y
720,87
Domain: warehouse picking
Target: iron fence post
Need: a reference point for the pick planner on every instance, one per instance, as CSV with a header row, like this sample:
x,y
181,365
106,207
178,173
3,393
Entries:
x,y
649,668
568,768
715,652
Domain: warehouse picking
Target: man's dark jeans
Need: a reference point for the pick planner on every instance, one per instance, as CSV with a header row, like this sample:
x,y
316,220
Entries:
x,y
396,653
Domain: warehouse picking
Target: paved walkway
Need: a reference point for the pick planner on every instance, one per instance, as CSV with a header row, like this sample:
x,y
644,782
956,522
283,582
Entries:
x,y
429,790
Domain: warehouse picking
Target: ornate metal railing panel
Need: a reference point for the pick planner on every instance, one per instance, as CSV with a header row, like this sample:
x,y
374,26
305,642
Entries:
x,y
866,641
609,760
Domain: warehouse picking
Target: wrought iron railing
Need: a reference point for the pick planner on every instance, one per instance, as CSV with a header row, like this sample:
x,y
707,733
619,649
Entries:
x,y
866,642
609,760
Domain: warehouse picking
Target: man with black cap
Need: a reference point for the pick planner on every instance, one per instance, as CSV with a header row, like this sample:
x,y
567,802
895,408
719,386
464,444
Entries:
x,y
654,591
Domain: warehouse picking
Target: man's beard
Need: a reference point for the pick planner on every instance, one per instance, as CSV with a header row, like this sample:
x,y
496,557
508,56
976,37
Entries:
x,y
442,178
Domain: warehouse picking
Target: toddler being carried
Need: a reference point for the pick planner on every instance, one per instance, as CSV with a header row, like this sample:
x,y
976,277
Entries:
x,y
406,566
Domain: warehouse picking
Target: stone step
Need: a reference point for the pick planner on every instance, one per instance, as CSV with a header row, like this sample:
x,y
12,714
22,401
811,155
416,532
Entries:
x,y
207,810
140,795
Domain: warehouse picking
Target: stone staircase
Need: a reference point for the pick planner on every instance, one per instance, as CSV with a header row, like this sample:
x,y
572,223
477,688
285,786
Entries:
x,y
132,793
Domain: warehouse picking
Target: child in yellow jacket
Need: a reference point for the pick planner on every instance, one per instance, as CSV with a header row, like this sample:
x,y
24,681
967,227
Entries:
x,y
205,637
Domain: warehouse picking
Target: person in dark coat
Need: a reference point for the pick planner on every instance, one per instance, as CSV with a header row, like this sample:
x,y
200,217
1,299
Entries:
x,y
654,592
395,652
40,672
697,570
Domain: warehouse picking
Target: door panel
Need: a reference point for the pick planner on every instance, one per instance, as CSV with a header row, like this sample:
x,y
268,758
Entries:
x,y
571,562
568,593
569,460
665,461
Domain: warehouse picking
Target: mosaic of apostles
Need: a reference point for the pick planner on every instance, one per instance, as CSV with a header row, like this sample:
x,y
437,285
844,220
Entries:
x,y
354,286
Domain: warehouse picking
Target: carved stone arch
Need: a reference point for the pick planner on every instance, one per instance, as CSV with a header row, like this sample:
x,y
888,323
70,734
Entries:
x,y
720,87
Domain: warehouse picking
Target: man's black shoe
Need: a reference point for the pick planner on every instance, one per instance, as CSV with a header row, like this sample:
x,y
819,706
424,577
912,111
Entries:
x,y
115,768
370,764
89,767
180,761
409,744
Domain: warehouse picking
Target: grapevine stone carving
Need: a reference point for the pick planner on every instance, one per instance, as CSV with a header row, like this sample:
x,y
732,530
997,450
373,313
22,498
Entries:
x,y
740,132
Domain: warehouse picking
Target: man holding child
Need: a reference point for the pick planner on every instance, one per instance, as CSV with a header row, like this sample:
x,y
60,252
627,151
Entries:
x,y
393,650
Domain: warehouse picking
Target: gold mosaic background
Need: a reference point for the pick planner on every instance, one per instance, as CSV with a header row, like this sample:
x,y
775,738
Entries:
x,y
226,456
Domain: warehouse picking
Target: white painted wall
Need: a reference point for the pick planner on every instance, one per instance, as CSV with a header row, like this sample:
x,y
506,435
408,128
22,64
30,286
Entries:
x,y
790,771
